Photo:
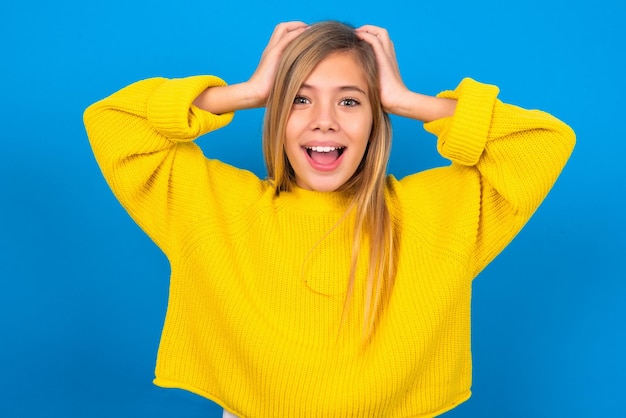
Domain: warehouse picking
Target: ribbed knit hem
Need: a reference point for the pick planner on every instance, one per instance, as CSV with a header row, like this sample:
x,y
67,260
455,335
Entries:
x,y
450,407
465,139
170,384
170,104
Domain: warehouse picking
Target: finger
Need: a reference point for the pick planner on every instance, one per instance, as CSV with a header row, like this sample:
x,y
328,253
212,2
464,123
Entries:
x,y
286,28
375,42
380,42
293,33
380,33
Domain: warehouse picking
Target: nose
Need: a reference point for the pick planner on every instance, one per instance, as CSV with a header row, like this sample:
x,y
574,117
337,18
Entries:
x,y
324,118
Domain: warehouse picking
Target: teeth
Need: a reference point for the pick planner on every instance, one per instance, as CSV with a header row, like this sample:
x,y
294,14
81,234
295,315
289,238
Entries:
x,y
323,149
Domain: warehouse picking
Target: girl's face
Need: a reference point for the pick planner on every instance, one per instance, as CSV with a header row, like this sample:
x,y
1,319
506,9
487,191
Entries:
x,y
329,125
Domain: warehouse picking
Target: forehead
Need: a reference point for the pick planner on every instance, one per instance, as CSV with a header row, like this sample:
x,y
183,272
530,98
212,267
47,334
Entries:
x,y
337,70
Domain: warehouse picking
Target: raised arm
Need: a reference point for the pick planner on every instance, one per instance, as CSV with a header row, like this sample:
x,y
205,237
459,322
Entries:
x,y
142,137
504,158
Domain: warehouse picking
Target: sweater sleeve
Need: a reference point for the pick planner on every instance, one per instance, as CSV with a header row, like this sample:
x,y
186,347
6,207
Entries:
x,y
142,138
513,156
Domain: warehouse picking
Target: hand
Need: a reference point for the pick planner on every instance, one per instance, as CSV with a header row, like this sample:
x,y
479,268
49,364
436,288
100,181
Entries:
x,y
254,92
392,88
262,79
395,97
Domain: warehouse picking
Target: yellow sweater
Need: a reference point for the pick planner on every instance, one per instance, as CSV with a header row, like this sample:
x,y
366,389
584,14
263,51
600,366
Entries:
x,y
256,298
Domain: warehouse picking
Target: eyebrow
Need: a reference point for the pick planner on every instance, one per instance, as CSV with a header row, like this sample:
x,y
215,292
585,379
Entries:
x,y
340,88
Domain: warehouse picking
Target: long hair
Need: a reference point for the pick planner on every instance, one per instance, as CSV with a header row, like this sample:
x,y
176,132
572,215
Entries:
x,y
372,219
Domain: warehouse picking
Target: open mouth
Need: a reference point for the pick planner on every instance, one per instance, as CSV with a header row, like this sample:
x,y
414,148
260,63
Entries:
x,y
324,155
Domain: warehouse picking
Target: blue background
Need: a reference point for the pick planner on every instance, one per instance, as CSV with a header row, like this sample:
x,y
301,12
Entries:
x,y
84,290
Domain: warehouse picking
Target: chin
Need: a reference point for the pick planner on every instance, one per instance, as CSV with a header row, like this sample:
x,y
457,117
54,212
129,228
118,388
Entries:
x,y
326,189
322,186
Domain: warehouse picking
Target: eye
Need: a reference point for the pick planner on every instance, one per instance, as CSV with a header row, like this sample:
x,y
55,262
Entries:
x,y
299,100
349,102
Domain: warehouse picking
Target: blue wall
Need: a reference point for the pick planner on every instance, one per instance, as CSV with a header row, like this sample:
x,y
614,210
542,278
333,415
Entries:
x,y
84,290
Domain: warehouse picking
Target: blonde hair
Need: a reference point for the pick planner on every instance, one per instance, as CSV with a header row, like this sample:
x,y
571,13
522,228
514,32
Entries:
x,y
367,185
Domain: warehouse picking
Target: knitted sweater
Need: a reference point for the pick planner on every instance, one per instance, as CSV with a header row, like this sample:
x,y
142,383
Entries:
x,y
258,282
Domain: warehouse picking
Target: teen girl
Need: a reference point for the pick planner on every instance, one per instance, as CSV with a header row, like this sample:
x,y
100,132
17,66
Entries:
x,y
329,289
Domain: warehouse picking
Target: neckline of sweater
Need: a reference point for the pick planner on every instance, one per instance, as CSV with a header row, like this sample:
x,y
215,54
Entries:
x,y
315,201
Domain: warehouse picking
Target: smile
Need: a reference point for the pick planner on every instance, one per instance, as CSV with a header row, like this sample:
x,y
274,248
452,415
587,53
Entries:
x,y
324,158
325,150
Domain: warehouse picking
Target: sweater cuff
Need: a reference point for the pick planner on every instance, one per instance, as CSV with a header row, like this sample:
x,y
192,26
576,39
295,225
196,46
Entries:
x,y
462,137
171,112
